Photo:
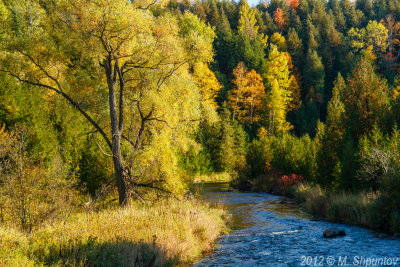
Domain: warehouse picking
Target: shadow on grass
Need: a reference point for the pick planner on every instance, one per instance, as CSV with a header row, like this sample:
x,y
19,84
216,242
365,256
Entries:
x,y
92,253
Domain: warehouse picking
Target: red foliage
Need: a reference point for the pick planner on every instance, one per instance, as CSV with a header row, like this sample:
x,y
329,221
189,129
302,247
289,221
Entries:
x,y
288,180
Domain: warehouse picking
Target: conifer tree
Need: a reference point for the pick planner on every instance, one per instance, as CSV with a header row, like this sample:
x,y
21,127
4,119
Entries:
x,y
365,98
247,20
314,76
332,140
295,48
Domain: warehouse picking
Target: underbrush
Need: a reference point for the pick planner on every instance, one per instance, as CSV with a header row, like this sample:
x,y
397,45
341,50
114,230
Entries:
x,y
161,233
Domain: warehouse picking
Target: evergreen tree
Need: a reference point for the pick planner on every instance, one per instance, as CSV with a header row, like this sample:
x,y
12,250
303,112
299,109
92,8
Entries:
x,y
223,25
247,20
295,48
331,144
314,76
232,143
365,99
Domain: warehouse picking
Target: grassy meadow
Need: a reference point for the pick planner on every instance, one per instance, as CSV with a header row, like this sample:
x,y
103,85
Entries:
x,y
162,233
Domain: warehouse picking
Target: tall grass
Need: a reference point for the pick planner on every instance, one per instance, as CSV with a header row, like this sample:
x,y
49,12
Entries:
x,y
362,208
159,234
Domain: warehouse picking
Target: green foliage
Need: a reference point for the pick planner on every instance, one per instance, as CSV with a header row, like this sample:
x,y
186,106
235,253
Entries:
x,y
232,143
365,99
286,153
222,147
314,78
329,165
94,168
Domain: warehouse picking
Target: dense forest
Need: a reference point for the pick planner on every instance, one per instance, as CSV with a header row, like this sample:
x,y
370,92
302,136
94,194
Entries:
x,y
106,103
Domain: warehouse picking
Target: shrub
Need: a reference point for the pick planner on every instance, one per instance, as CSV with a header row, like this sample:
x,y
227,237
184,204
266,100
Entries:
x,y
286,153
29,193
289,180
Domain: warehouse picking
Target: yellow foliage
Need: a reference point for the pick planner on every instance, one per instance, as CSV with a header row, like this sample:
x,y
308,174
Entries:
x,y
396,93
207,83
279,95
369,53
262,133
246,98
278,40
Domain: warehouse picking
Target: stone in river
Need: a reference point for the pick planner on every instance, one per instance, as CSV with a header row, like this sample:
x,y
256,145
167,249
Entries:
x,y
333,232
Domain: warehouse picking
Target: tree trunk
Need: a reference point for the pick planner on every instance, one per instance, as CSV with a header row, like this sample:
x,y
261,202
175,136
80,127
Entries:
x,y
122,183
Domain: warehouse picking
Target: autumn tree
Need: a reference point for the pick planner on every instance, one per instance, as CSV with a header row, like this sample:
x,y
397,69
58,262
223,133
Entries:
x,y
246,98
207,83
295,85
26,198
114,50
374,34
280,19
293,4
278,93
280,42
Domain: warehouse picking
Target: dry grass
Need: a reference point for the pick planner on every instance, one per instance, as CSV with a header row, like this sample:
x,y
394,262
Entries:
x,y
218,177
159,234
341,207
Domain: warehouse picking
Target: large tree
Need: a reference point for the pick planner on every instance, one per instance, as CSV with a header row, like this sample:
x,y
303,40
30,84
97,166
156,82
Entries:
x,y
94,50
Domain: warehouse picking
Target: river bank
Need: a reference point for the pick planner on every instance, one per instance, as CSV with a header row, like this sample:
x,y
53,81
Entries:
x,y
161,233
274,231
371,210
376,210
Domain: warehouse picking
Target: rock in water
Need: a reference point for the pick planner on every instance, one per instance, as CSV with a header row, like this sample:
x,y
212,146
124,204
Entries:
x,y
397,235
334,232
382,235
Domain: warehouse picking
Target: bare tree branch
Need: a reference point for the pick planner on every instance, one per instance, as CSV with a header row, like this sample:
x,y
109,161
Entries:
x,y
98,145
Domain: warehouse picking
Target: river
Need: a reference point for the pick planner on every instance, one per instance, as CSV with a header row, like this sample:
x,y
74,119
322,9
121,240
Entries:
x,y
272,232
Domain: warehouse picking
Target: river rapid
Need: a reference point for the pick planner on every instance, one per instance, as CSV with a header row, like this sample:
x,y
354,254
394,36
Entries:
x,y
275,232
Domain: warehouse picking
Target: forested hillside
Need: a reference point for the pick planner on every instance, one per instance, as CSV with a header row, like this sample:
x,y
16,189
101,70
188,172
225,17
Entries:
x,y
106,103
314,85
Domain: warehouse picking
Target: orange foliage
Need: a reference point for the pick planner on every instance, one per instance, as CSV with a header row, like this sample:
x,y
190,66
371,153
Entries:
x,y
279,18
293,4
247,96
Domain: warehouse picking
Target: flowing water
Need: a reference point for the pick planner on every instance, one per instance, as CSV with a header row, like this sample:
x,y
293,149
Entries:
x,y
273,232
